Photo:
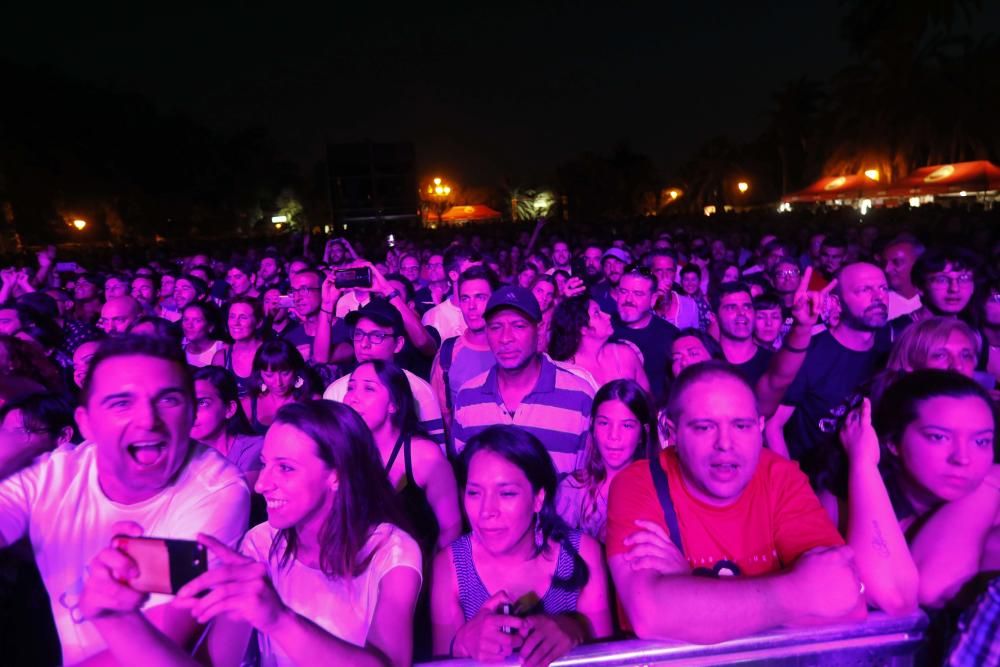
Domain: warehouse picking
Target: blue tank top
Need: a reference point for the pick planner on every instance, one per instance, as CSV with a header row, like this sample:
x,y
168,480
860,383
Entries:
x,y
472,593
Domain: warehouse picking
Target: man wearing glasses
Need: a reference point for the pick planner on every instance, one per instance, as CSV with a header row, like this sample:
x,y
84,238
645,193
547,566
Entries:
x,y
379,335
305,291
946,278
636,323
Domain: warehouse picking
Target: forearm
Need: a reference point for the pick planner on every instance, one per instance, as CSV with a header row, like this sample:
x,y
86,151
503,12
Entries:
x,y
133,640
43,275
782,370
321,343
415,331
963,526
704,610
880,550
307,644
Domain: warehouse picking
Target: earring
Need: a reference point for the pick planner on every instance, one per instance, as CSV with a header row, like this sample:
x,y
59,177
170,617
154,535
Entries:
x,y
539,537
263,388
299,382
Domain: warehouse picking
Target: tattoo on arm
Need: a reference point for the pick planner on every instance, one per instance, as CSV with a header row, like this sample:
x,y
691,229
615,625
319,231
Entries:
x,y
881,548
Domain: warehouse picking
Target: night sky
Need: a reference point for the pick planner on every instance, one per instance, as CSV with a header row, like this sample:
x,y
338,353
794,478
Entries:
x,y
483,92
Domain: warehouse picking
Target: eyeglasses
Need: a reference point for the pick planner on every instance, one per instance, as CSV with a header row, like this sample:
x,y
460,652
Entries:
x,y
942,280
374,337
787,273
303,290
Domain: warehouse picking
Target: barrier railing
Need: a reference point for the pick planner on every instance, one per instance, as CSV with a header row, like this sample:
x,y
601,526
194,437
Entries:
x,y
880,640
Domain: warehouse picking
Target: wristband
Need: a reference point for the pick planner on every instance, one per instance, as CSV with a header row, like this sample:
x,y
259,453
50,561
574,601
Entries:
x,y
392,295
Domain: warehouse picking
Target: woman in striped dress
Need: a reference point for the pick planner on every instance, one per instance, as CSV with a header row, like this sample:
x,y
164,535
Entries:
x,y
521,581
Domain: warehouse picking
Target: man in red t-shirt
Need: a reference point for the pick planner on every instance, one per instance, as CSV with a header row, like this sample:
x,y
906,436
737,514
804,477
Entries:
x,y
747,520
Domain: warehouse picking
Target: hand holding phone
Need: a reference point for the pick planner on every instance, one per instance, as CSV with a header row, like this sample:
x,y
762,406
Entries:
x,y
360,276
164,565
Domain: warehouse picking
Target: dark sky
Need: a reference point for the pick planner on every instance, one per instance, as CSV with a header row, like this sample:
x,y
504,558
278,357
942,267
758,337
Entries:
x,y
484,92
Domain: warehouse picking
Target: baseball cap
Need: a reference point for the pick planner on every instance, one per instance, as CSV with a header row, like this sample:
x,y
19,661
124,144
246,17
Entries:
x,y
618,254
515,297
380,312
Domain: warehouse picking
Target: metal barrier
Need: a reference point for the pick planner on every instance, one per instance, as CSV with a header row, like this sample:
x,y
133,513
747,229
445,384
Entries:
x,y
880,640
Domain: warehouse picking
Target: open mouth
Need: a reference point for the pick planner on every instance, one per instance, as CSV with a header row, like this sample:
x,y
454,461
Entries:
x,y
724,471
147,453
276,503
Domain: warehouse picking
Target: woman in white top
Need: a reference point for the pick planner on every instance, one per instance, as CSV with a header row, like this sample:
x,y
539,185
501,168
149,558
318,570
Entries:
x,y
200,342
329,579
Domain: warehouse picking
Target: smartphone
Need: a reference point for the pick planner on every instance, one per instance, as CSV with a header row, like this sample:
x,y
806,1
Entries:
x,y
67,267
356,277
164,565
285,301
391,240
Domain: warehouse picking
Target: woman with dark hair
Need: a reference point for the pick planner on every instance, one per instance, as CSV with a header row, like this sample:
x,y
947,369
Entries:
x,y
581,336
330,579
201,342
279,377
521,580
622,430
244,318
937,431
417,468
220,422
546,292
692,346
151,325
21,358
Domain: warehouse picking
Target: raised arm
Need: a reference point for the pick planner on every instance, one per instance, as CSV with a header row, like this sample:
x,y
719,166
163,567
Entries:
x,y
787,361
330,294
880,550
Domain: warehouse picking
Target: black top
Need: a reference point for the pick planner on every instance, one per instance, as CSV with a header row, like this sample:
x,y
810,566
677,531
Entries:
x,y
829,375
413,500
756,366
654,342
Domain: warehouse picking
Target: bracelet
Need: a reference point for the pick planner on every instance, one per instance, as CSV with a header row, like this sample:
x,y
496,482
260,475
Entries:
x,y
392,295
795,349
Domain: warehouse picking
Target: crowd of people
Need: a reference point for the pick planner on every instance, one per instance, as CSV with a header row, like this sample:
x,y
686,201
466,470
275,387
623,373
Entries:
x,y
502,444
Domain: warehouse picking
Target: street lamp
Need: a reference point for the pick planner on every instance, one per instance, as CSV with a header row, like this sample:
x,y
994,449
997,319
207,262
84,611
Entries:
x,y
743,186
439,192
872,174
79,224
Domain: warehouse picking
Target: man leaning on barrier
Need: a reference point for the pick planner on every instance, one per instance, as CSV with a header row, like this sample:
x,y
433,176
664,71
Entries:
x,y
718,537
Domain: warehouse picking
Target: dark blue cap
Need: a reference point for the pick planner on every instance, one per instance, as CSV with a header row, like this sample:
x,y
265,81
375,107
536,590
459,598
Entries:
x,y
515,297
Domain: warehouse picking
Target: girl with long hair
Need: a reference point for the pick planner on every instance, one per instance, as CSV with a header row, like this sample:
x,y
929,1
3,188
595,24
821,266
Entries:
x,y
201,342
416,466
622,430
520,553
220,422
581,336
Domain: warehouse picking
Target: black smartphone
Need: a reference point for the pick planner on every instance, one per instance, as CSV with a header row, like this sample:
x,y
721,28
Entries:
x,y
357,277
165,565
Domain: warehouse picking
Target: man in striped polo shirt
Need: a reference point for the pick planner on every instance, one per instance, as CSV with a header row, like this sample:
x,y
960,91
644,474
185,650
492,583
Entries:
x,y
524,387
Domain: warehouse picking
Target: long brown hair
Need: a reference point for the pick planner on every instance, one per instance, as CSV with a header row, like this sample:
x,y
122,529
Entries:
x,y
364,499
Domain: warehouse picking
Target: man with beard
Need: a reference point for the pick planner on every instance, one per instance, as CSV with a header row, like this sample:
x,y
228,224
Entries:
x,y
636,322
839,360
592,263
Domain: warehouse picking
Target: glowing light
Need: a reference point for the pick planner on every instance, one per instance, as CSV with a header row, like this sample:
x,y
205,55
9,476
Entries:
x,y
326,229
784,207
866,204
447,190
743,186
914,202
278,219
277,225
79,224
963,193
709,210
872,174
437,181
674,194
438,190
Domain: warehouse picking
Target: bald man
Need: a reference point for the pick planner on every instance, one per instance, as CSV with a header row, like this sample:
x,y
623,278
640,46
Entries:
x,y
118,314
838,361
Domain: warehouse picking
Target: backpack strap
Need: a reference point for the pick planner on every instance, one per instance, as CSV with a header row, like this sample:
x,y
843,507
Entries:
x,y
445,359
663,492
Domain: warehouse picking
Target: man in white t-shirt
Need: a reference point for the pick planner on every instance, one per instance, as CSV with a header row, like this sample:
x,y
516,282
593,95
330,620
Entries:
x,y
379,335
138,471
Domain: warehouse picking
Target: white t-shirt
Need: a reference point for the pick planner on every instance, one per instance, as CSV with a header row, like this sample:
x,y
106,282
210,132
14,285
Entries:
x,y
349,302
58,502
342,607
428,410
447,318
900,305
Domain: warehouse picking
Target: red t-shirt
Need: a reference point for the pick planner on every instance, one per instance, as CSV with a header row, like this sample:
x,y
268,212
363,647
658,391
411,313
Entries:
x,y
774,521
